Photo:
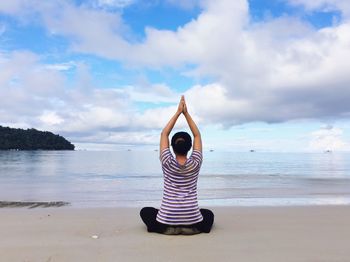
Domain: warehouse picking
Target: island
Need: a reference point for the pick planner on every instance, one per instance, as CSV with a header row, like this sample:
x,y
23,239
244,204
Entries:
x,y
31,139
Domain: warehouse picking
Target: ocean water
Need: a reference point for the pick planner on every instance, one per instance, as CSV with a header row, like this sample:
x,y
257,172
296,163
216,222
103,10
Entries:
x,y
134,178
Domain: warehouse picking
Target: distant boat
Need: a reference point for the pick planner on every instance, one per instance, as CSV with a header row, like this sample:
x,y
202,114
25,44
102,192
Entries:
x,y
211,150
252,150
328,151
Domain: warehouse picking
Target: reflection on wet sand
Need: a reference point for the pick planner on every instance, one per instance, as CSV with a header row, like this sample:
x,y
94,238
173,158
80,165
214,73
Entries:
x,y
32,204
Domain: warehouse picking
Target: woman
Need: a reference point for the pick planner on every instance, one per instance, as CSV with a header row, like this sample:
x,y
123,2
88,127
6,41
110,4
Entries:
x,y
179,212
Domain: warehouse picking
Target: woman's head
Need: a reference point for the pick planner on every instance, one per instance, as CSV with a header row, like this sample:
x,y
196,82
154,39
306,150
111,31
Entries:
x,y
181,143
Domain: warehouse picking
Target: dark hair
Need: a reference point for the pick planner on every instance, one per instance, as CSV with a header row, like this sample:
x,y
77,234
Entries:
x,y
181,143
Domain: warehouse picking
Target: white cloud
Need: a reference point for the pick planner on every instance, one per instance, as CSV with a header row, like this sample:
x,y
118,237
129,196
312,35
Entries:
x,y
325,5
196,42
152,93
90,30
266,72
26,86
34,95
50,118
154,118
12,7
93,117
62,66
328,138
270,73
71,21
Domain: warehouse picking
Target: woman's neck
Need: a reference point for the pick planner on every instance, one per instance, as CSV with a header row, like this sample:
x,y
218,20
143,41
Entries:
x,y
181,159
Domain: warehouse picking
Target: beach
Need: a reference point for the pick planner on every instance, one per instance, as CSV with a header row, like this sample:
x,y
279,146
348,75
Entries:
x,y
309,233
84,206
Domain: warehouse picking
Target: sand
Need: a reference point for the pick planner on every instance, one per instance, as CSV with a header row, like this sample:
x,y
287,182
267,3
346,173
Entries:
x,y
240,234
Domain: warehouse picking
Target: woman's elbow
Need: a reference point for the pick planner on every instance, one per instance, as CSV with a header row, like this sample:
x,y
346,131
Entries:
x,y
164,133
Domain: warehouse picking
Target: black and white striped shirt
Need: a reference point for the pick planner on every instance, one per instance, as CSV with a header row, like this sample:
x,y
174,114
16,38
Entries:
x,y
179,205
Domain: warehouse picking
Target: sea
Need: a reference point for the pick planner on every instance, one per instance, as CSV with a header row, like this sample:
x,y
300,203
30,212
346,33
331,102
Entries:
x,y
133,178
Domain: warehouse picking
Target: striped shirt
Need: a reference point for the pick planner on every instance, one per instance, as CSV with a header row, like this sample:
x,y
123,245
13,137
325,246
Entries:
x,y
179,205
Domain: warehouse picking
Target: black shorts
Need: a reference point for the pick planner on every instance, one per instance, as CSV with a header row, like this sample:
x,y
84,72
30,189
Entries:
x,y
149,215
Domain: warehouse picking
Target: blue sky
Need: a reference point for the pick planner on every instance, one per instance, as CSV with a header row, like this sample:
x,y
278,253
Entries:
x,y
107,74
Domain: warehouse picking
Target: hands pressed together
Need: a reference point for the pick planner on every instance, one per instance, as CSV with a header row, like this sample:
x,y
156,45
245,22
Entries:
x,y
182,108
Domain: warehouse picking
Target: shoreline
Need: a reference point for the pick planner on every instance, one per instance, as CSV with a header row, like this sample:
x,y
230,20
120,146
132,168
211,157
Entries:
x,y
297,233
220,203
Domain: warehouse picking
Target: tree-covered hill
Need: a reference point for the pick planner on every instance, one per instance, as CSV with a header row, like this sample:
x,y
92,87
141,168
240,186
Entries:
x,y
31,139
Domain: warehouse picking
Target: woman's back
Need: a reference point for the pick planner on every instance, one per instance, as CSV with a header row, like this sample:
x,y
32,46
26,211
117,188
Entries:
x,y
179,204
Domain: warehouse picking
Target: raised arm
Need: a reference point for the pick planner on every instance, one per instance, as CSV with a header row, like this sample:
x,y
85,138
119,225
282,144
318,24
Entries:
x,y
164,136
197,139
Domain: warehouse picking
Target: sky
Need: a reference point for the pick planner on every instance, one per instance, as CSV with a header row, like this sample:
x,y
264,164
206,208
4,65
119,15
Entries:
x,y
108,74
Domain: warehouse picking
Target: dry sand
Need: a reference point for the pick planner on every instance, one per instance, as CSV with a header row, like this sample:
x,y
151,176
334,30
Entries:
x,y
311,234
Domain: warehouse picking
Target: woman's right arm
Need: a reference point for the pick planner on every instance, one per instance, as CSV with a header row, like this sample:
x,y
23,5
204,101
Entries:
x,y
197,140
164,136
